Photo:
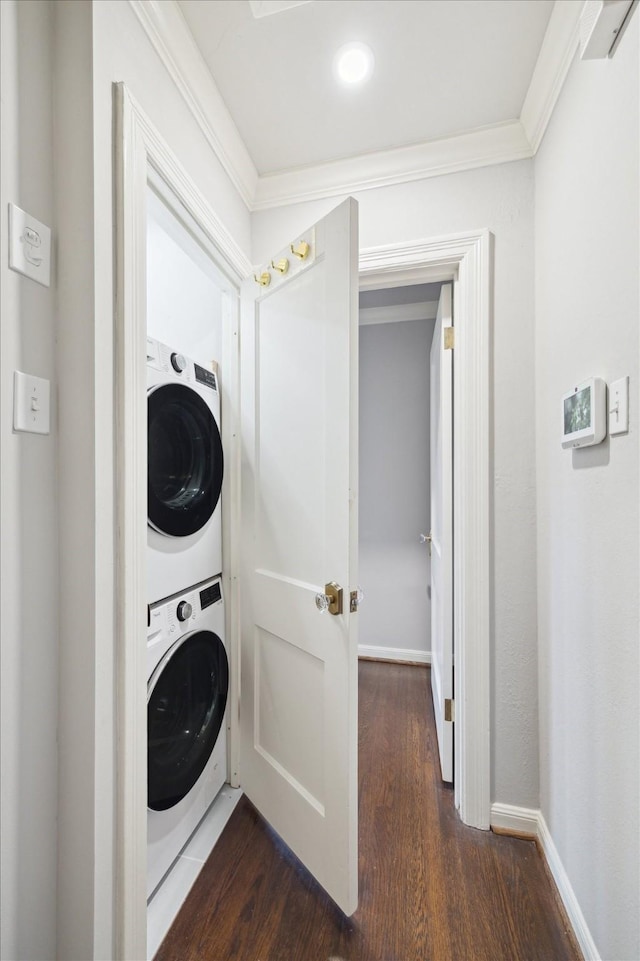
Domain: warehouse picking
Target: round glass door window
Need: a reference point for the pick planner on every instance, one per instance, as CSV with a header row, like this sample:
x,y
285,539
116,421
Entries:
x,y
186,698
185,463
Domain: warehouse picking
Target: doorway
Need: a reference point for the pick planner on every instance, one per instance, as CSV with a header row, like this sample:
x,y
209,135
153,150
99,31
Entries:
x,y
396,329
465,260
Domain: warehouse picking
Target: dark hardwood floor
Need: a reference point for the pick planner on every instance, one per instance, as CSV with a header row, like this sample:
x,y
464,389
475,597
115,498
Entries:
x,y
431,889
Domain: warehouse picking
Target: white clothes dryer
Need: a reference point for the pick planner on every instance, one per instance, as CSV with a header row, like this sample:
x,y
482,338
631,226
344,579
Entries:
x,y
188,682
185,470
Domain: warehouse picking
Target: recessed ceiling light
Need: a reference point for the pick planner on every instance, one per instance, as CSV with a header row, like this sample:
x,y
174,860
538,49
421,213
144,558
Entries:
x,y
353,63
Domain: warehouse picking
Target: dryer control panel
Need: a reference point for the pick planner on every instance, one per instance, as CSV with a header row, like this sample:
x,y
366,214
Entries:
x,y
162,358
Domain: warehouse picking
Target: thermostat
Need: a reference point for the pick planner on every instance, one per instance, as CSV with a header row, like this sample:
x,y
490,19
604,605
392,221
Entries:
x,y
584,414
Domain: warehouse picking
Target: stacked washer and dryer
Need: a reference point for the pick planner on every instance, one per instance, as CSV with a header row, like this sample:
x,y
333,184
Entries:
x,y
188,668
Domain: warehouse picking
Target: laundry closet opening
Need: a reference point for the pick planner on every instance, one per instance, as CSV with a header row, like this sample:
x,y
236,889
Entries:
x,y
396,331
190,667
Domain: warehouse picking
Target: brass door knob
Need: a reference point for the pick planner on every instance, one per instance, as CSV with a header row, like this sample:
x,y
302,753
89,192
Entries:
x,y
331,601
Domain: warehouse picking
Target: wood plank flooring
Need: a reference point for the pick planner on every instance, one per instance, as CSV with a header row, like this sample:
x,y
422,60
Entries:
x,y
431,889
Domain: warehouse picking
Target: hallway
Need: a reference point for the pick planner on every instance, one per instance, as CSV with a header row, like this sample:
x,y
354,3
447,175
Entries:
x,y
431,889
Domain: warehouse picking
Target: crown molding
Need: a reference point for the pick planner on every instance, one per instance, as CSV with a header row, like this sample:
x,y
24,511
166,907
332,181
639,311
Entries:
x,y
556,55
477,148
166,28
401,312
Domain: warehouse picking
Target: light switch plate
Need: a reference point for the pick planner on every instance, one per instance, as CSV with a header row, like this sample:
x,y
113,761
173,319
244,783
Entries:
x,y
619,406
29,246
30,403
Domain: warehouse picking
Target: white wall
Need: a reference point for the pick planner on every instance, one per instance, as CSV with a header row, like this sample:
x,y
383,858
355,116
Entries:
x,y
500,198
184,301
29,541
587,312
394,488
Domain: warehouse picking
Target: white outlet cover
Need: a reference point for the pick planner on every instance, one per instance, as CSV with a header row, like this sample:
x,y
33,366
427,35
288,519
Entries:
x,y
29,246
31,403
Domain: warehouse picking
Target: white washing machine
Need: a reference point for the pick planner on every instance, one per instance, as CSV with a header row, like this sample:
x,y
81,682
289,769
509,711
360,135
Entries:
x,y
188,673
185,470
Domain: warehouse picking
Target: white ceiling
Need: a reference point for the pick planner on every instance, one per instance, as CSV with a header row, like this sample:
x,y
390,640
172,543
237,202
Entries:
x,y
443,68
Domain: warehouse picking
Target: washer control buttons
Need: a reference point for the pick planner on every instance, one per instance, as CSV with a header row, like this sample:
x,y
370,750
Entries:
x,y
184,611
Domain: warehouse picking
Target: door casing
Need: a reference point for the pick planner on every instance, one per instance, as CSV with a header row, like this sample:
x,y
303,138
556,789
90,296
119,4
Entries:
x,y
143,158
467,260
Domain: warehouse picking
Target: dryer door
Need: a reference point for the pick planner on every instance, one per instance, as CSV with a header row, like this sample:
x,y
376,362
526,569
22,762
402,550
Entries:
x,y
186,700
185,461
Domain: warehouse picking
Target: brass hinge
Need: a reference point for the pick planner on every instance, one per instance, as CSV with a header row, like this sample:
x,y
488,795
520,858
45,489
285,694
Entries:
x,y
449,709
449,338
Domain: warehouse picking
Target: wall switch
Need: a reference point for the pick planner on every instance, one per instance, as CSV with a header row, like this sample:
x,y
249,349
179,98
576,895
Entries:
x,y
619,406
29,246
30,403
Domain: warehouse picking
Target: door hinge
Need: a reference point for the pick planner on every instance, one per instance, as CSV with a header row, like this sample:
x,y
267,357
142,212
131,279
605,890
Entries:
x,y
449,338
449,709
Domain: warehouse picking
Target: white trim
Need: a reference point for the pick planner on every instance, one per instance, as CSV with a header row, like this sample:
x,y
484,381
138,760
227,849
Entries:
x,y
398,314
521,820
141,157
517,820
131,510
517,139
496,144
556,55
466,257
394,653
566,892
429,274
171,171
167,900
166,28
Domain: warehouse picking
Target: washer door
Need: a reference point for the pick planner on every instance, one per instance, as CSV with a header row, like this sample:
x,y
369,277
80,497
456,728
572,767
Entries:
x,y
186,698
185,463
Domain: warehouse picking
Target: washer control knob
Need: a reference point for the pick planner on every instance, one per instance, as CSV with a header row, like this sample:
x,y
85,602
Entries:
x,y
178,363
184,611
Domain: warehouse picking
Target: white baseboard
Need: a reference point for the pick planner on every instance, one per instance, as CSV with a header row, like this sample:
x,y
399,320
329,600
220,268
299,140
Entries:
x,y
531,821
508,817
569,899
394,653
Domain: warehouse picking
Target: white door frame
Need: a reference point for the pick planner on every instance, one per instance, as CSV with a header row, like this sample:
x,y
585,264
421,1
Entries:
x,y
466,259
143,158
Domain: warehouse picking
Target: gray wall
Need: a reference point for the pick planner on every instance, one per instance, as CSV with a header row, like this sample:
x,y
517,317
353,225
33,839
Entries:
x,y
587,310
28,490
394,486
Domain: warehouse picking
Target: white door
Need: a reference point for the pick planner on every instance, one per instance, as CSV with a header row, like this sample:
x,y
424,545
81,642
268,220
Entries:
x,y
298,699
442,532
